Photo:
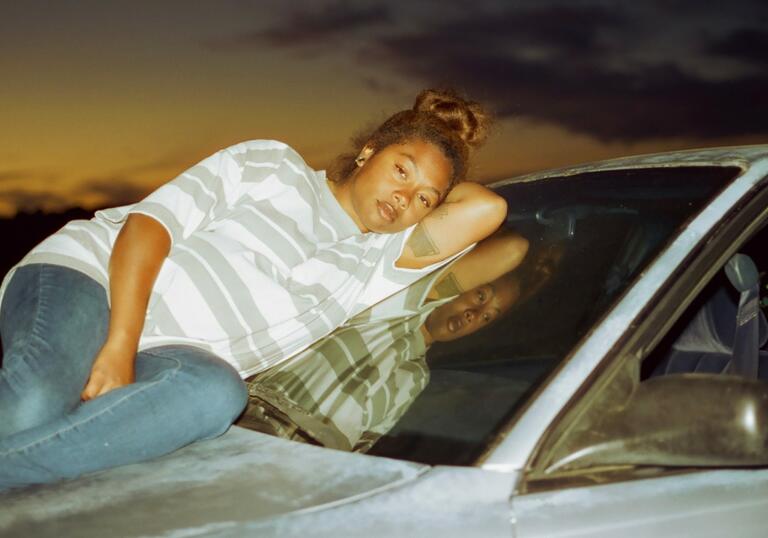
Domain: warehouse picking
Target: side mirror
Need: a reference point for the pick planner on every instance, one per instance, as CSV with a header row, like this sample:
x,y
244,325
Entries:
x,y
699,420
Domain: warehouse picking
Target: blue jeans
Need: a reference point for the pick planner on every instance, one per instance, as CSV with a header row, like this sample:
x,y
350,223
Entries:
x,y
53,322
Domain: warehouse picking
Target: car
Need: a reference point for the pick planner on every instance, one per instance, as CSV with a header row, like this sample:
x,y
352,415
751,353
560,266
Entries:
x,y
620,390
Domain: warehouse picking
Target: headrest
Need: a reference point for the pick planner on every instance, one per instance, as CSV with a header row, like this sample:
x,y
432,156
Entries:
x,y
742,273
713,327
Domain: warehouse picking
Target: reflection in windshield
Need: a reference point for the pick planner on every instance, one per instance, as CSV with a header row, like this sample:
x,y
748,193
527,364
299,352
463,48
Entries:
x,y
432,373
349,389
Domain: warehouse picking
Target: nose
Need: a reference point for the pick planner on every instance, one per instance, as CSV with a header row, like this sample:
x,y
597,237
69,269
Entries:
x,y
402,199
469,315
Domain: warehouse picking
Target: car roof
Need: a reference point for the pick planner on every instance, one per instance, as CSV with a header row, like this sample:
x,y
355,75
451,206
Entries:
x,y
740,156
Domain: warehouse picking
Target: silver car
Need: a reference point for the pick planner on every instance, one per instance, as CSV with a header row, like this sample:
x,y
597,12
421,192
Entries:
x,y
618,392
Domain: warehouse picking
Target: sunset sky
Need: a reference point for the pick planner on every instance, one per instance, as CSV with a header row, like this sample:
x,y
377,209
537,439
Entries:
x,y
102,101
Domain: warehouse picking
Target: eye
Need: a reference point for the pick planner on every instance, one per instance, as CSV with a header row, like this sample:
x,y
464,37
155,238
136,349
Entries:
x,y
401,172
481,296
486,318
425,201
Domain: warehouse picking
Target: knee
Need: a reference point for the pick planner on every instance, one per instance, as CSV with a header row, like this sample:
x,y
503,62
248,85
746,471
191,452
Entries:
x,y
32,408
220,398
228,394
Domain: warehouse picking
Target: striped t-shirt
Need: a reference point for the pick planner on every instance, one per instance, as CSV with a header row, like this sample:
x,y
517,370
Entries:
x,y
263,261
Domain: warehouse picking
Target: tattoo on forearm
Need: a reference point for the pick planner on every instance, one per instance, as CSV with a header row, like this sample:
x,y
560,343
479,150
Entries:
x,y
421,243
441,212
448,286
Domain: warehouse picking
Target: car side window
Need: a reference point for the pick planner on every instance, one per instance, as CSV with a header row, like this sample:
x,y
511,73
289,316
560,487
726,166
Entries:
x,y
682,406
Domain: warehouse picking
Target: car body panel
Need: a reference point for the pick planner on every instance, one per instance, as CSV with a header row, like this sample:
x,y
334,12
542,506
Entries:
x,y
449,502
690,504
250,484
740,156
240,476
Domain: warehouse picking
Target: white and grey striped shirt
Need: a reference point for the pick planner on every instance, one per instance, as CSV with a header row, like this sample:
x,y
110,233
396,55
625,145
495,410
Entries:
x,y
263,262
358,382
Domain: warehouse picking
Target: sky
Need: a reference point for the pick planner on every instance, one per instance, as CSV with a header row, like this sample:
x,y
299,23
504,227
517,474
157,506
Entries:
x,y
101,102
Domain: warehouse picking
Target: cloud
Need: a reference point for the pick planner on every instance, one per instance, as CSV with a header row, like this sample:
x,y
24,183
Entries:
x,y
740,8
589,78
622,72
104,191
22,174
562,29
115,190
746,44
118,187
30,201
310,28
13,175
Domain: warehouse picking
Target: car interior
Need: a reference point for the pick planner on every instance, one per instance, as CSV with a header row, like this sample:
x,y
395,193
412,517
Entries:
x,y
714,332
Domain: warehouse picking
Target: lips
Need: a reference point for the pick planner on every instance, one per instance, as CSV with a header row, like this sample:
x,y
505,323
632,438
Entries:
x,y
386,211
454,323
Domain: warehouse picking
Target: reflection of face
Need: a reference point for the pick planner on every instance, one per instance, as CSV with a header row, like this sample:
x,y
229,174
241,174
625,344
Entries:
x,y
471,310
398,186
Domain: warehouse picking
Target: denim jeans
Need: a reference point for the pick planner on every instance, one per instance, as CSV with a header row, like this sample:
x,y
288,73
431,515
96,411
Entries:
x,y
53,322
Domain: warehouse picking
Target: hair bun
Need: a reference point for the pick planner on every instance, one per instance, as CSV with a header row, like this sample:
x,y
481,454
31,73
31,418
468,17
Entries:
x,y
467,119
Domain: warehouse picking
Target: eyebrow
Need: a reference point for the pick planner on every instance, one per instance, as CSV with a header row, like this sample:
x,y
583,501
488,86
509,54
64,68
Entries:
x,y
413,163
495,298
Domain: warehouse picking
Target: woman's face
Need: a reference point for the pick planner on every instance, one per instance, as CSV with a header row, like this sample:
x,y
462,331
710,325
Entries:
x,y
398,185
467,313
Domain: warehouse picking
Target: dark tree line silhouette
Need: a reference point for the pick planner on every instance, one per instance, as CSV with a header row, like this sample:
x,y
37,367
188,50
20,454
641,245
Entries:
x,y
26,230
21,233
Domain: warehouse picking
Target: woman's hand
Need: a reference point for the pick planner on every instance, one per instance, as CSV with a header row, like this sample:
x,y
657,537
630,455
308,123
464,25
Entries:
x,y
113,368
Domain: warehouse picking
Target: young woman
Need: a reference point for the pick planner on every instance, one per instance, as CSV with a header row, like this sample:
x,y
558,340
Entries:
x,y
126,337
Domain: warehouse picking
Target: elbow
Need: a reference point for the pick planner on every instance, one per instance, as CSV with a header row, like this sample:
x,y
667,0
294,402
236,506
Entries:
x,y
512,248
518,250
496,210
489,212
145,234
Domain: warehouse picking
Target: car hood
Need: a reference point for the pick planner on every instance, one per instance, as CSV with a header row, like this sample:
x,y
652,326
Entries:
x,y
240,477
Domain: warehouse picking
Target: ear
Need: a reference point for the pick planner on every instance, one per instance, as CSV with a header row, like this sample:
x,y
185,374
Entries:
x,y
364,155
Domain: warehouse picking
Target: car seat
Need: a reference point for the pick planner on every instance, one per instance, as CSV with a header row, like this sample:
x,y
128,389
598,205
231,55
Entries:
x,y
706,343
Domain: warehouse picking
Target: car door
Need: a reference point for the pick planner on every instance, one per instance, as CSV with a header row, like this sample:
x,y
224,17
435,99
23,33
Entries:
x,y
642,502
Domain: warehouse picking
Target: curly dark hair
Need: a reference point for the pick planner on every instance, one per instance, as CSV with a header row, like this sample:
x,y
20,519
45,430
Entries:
x,y
444,118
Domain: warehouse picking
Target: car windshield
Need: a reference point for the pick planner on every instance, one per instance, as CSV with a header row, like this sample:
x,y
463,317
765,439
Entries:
x,y
378,385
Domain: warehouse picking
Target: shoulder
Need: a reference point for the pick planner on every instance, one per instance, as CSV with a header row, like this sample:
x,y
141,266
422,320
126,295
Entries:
x,y
265,151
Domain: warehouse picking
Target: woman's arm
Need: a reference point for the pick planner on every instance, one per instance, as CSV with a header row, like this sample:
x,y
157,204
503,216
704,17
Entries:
x,y
491,258
140,249
468,214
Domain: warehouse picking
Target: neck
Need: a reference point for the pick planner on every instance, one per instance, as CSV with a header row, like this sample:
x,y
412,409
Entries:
x,y
343,194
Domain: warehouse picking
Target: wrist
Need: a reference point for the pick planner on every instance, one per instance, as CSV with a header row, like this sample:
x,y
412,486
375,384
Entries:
x,y
122,342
